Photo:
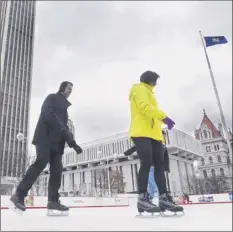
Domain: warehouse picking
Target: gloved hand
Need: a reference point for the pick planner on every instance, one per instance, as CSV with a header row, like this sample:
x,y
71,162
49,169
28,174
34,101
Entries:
x,y
169,122
130,151
77,148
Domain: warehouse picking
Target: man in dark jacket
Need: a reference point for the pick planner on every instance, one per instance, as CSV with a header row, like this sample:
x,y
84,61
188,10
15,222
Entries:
x,y
50,136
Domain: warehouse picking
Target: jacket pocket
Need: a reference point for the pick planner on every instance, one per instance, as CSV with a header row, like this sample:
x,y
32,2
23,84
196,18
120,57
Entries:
x,y
152,123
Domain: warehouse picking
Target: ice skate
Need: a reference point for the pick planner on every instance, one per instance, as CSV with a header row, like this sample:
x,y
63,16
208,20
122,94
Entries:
x,y
144,204
167,204
16,204
57,209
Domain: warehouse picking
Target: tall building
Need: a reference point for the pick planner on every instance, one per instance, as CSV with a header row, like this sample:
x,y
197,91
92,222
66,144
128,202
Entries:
x,y
216,165
17,24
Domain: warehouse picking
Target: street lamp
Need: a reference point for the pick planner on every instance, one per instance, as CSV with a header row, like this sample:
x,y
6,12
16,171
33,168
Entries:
x,y
99,153
20,137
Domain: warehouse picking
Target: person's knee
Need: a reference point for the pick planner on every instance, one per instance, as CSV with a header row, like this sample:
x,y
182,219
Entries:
x,y
146,164
56,169
41,162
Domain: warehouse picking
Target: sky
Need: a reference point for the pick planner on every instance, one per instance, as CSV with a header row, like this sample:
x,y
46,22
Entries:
x,y
104,47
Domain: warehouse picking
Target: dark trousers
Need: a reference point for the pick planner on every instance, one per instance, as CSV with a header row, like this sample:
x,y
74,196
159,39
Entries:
x,y
150,152
44,156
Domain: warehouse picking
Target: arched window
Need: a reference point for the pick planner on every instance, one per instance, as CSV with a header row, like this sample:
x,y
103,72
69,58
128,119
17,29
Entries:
x,y
202,161
205,174
211,160
219,159
205,134
213,172
222,172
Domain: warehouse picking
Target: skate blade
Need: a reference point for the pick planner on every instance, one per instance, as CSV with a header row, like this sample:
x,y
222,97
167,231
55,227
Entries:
x,y
15,209
172,214
52,212
148,215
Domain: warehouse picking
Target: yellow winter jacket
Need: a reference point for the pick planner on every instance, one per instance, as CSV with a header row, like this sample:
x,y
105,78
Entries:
x,y
146,117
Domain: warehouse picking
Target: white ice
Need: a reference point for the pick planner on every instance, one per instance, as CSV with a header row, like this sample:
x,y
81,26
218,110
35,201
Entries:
x,y
212,217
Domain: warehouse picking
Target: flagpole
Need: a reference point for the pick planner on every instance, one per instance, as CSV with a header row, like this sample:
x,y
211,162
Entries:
x,y
217,97
1,142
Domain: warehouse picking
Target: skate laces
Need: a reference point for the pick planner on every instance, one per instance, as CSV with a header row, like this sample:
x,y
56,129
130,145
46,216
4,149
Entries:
x,y
147,196
170,199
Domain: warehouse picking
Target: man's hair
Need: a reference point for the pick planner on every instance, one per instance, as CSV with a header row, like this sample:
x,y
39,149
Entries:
x,y
63,86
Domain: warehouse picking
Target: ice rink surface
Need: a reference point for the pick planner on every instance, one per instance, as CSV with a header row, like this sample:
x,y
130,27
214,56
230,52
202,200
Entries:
x,y
211,217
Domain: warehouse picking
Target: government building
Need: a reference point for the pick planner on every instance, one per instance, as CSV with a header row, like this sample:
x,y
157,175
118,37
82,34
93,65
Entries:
x,y
102,165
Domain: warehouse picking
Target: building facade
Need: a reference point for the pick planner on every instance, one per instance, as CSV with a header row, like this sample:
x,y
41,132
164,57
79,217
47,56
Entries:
x,y
17,23
81,172
216,165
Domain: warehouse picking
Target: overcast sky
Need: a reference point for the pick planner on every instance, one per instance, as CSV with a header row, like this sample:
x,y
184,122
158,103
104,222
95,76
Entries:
x,y
103,47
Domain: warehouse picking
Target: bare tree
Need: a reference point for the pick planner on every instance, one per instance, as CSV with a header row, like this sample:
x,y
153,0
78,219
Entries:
x,y
216,184
191,185
116,180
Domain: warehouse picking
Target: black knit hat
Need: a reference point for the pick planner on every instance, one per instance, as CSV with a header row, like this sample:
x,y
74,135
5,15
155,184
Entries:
x,y
149,77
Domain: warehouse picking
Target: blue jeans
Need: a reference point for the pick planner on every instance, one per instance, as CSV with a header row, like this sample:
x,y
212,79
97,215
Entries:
x,y
152,187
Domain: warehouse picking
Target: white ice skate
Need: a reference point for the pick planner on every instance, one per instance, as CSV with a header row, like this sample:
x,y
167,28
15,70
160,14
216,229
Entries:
x,y
54,212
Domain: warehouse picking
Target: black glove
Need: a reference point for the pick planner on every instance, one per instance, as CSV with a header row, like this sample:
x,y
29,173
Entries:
x,y
130,151
77,148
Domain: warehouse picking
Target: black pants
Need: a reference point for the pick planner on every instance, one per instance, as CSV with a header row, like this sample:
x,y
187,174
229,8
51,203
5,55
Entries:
x,y
44,156
150,152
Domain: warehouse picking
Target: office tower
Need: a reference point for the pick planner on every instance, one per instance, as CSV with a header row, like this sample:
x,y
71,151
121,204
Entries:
x,y
17,25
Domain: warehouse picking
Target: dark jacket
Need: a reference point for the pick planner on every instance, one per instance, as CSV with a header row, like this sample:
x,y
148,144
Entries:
x,y
52,123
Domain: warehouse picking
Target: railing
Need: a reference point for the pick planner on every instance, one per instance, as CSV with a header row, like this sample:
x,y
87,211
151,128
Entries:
x,y
183,141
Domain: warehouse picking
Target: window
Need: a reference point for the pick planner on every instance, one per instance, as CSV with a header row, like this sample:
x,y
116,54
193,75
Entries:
x,y
211,160
202,161
205,134
222,172
216,147
208,149
205,174
219,159
213,172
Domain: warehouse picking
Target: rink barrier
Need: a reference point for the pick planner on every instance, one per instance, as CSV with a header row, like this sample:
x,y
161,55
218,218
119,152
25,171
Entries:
x,y
122,200
121,206
76,206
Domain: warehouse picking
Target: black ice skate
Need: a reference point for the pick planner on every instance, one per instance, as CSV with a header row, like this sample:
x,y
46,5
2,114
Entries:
x,y
17,204
166,203
55,208
144,204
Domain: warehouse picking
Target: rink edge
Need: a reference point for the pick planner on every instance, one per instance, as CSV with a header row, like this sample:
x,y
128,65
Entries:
x,y
209,203
75,207
119,206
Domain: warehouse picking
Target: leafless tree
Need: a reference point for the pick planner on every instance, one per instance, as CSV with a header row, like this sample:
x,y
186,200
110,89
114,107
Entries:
x,y
116,180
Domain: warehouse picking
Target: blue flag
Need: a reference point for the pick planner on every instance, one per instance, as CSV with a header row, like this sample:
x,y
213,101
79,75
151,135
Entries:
x,y
214,40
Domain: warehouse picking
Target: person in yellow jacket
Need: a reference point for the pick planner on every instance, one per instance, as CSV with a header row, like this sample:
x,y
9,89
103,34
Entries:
x,y
146,133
